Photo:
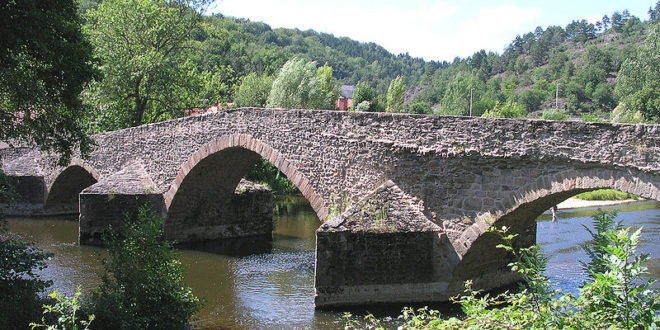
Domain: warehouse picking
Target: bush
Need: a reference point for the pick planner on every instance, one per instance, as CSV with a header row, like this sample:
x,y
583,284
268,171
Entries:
x,y
591,118
507,110
605,195
65,313
143,287
420,108
554,114
263,172
621,114
616,297
363,106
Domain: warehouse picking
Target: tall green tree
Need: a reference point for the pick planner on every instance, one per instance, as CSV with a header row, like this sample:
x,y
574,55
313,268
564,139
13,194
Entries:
x,y
45,62
253,91
142,44
365,95
396,95
638,82
300,85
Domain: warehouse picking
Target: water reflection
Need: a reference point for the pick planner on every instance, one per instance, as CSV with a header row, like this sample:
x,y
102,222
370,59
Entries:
x,y
561,241
268,282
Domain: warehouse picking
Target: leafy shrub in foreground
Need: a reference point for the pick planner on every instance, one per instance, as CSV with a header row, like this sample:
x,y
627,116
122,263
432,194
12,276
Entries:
x,y
64,313
144,286
616,297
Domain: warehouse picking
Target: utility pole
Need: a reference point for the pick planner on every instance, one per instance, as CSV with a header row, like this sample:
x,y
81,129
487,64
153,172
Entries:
x,y
557,97
470,102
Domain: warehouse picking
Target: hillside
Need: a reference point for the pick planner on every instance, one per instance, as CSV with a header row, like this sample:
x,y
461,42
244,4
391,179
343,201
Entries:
x,y
582,58
550,72
255,47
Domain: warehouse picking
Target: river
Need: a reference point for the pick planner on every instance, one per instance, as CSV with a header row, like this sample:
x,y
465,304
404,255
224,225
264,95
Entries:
x,y
260,284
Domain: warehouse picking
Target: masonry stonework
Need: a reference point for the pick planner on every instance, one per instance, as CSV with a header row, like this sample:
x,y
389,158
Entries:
x,y
426,186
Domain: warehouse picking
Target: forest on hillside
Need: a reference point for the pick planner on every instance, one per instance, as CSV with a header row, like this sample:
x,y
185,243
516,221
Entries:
x,y
582,70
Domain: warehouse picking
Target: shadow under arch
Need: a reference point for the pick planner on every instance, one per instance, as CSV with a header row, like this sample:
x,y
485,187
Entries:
x,y
63,192
486,265
205,186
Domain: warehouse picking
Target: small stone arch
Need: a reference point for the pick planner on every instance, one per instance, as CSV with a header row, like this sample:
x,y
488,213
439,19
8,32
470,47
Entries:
x,y
258,147
67,185
487,266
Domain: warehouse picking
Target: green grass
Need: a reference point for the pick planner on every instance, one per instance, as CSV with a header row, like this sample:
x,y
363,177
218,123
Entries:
x,y
605,195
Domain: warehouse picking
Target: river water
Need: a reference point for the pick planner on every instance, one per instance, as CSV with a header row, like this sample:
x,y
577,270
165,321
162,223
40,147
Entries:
x,y
257,284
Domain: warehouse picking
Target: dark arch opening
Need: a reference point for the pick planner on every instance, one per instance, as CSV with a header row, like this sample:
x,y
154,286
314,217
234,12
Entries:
x,y
63,195
214,202
485,264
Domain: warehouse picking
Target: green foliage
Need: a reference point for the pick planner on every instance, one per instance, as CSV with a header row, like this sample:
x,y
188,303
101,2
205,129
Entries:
x,y
20,285
361,94
300,85
603,222
591,118
263,172
623,114
638,83
253,91
508,110
65,313
147,76
45,63
420,108
554,114
396,95
605,195
532,98
617,295
143,287
363,106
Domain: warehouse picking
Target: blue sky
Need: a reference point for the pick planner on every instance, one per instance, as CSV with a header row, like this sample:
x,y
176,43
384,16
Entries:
x,y
434,30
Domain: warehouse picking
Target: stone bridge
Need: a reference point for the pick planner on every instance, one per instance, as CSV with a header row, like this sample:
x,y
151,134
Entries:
x,y
405,200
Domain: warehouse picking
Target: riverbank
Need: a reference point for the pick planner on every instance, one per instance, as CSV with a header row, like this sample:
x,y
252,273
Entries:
x,y
573,203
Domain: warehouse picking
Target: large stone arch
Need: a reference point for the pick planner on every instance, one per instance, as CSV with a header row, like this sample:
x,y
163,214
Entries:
x,y
210,176
64,190
484,264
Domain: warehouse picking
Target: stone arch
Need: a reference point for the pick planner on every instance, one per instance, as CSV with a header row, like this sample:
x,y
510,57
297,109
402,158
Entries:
x,y
487,266
221,164
64,190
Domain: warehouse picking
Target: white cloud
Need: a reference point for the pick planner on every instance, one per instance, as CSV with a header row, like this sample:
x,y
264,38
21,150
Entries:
x,y
437,30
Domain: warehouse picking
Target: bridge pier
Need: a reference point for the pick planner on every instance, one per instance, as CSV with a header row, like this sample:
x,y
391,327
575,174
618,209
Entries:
x,y
382,250
31,195
247,213
110,201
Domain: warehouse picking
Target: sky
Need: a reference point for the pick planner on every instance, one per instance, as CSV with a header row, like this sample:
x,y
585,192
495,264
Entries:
x,y
433,30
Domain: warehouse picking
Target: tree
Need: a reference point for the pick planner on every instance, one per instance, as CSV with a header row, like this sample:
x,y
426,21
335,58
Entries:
x,y
654,12
253,91
363,93
324,94
300,85
606,23
638,82
143,287
617,22
396,95
45,63
141,44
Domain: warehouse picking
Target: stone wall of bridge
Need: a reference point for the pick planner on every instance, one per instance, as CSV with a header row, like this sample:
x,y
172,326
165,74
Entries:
x,y
449,174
